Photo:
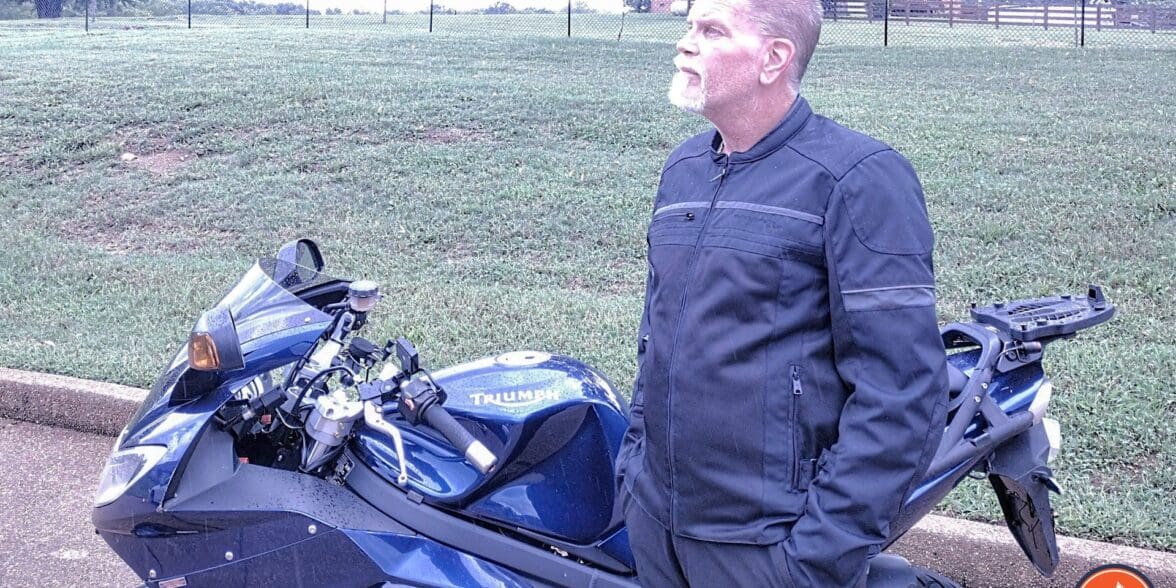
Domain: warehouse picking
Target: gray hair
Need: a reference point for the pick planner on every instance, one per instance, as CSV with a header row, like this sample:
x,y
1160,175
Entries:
x,y
796,20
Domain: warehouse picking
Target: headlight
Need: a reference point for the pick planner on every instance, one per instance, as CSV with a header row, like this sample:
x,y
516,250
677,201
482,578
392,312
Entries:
x,y
124,468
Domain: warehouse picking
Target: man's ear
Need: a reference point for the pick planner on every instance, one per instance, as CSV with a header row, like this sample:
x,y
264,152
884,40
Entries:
x,y
777,59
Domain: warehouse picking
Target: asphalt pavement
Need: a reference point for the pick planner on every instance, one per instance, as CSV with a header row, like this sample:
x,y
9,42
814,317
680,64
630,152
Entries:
x,y
47,482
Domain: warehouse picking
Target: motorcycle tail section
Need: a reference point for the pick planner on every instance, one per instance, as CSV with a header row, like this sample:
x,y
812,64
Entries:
x,y
1022,480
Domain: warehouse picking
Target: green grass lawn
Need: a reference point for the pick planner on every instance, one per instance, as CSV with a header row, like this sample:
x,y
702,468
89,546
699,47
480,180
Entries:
x,y
499,189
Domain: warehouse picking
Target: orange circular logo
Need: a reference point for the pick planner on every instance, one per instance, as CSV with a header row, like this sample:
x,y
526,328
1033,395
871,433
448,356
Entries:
x,y
1114,576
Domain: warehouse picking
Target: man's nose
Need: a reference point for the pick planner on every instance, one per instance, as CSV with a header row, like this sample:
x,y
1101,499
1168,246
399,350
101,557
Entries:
x,y
686,45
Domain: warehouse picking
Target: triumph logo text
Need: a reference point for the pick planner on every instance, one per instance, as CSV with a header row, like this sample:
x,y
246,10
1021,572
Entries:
x,y
514,398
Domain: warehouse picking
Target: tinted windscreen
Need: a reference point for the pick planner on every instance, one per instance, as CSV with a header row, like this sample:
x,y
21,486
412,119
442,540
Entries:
x,y
264,301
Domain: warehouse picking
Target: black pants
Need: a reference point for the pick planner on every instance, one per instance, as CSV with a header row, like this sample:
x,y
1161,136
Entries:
x,y
664,560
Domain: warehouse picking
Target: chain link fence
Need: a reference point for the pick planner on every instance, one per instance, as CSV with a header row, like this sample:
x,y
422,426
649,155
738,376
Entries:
x,y
1045,23
924,23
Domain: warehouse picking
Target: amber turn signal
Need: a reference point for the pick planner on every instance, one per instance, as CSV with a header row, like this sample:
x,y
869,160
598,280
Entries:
x,y
202,353
213,345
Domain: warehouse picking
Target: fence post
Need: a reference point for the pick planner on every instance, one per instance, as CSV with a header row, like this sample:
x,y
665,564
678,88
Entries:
x,y
997,15
87,17
308,14
1153,18
385,12
430,16
569,18
1045,15
1082,33
1098,18
886,25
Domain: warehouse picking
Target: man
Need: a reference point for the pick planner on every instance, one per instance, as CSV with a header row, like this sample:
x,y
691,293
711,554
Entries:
x,y
791,383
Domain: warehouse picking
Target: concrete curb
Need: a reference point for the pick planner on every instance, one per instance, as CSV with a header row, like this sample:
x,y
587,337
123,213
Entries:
x,y
72,403
976,554
980,555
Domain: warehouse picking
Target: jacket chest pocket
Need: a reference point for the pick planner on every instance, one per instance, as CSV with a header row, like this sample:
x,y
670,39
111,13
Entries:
x,y
677,224
673,233
767,230
766,256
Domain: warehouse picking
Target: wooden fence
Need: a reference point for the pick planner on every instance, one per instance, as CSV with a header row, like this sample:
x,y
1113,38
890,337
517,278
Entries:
x,y
1043,14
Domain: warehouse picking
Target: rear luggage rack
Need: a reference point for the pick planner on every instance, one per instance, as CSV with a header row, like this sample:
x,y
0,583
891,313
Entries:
x,y
1051,316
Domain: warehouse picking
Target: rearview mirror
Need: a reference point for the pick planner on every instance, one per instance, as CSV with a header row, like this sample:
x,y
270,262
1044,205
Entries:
x,y
303,252
299,262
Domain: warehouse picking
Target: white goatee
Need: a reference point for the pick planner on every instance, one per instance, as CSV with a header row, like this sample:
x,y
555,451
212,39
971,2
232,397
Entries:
x,y
680,93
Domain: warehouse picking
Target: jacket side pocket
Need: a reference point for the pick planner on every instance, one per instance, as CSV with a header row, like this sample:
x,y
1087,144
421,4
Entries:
x,y
799,479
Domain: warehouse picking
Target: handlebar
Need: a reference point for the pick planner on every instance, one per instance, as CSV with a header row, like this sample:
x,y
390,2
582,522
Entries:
x,y
418,398
475,452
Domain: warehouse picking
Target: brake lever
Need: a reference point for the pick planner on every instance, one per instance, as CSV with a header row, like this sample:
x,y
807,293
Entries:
x,y
373,415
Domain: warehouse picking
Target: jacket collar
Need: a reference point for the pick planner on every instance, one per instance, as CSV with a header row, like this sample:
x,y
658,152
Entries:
x,y
797,115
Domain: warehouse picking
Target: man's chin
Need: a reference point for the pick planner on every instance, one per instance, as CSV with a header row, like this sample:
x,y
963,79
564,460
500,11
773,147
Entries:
x,y
691,104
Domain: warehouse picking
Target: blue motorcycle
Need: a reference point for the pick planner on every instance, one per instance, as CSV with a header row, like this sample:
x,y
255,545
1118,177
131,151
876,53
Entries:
x,y
281,448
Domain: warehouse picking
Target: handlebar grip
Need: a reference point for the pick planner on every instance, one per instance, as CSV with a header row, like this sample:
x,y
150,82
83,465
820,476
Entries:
x,y
475,452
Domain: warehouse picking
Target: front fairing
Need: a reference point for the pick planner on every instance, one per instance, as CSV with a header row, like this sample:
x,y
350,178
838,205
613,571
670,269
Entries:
x,y
277,310
279,317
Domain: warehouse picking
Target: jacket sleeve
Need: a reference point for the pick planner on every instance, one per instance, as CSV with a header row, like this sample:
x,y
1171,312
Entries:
x,y
887,349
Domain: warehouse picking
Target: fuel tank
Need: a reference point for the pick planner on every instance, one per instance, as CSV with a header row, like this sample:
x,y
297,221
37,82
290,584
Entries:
x,y
555,424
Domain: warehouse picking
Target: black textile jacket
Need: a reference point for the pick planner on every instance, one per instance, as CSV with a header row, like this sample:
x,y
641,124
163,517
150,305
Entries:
x,y
792,382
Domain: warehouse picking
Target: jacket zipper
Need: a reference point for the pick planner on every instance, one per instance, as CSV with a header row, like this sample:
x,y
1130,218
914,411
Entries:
x,y
678,330
797,391
685,216
678,209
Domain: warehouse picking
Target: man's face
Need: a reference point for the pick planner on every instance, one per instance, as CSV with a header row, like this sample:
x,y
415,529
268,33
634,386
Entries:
x,y
718,59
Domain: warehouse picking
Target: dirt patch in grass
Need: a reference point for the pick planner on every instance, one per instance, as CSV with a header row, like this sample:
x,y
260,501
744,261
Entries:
x,y
1128,474
148,239
146,148
157,235
1138,472
16,157
164,163
610,287
9,160
251,134
449,135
